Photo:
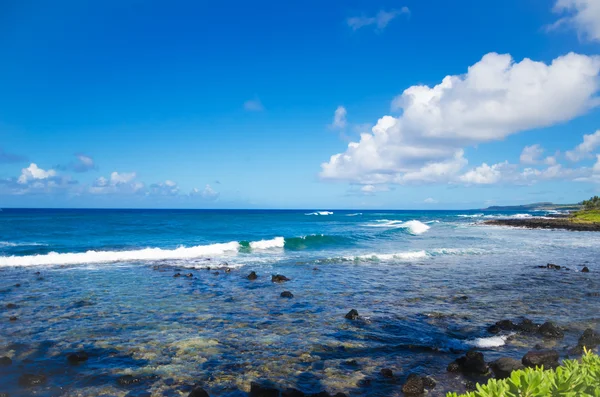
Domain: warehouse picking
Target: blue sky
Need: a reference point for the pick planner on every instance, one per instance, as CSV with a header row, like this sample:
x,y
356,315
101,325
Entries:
x,y
243,104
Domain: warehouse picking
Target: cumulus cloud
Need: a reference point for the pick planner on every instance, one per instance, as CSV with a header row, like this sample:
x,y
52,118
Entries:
x,y
531,154
581,15
83,163
123,182
167,188
254,105
497,97
6,157
33,172
380,20
584,149
208,193
430,200
339,118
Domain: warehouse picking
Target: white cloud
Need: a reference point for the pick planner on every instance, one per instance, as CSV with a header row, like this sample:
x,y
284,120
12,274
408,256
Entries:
x,y
582,15
254,105
430,200
584,149
339,118
123,182
496,98
207,193
33,172
167,188
531,154
84,163
485,174
380,20
120,178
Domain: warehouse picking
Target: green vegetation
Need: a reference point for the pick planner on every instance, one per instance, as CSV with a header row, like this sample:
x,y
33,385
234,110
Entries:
x,y
590,212
573,378
591,204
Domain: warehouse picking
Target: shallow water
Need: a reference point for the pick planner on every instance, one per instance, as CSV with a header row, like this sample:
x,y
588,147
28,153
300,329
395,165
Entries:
x,y
112,293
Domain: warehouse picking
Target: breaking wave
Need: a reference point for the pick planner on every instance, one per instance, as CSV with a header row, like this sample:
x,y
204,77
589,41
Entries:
x,y
320,213
413,227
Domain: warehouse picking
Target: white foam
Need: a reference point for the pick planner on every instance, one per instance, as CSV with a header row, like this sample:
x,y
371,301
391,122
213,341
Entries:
x,y
23,244
414,226
492,341
277,242
390,257
470,215
357,214
147,254
320,213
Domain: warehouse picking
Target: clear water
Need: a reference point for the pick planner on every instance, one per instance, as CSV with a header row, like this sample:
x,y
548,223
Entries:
x,y
106,286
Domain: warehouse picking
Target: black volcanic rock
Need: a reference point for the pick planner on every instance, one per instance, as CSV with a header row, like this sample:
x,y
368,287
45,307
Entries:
x,y
278,278
31,380
504,366
413,386
546,358
252,276
352,314
549,330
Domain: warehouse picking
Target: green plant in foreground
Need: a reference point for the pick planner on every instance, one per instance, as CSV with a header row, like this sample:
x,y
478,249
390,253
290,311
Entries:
x,y
571,379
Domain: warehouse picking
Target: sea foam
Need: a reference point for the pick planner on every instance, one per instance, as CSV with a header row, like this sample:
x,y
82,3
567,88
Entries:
x,y
320,213
413,227
277,242
492,341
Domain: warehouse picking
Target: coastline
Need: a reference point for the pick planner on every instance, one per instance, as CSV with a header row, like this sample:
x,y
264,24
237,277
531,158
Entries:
x,y
546,223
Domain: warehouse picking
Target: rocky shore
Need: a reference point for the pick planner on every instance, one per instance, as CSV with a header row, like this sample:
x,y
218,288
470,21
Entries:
x,y
546,223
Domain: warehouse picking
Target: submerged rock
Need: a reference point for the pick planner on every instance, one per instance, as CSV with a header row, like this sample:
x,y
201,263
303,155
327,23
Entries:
x,y
292,393
503,367
128,380
546,358
502,325
287,294
471,363
585,270
78,357
528,326
386,373
30,380
553,266
252,276
189,275
589,340
352,314
549,330
177,275
11,306
198,392
413,385
12,318
258,390
278,278
429,382
5,361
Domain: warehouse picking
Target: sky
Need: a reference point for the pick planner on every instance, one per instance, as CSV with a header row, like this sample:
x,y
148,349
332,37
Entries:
x,y
415,104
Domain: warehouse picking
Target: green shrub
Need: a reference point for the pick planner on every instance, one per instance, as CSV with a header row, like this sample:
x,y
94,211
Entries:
x,y
572,378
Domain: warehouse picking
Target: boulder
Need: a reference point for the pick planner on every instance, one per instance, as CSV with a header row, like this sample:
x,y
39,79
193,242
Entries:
x,y
287,294
177,275
278,278
546,358
549,330
553,266
258,390
198,392
503,325
585,270
292,393
528,326
252,276
503,367
413,386
352,314
12,318
30,380
386,373
78,357
589,339
5,361
429,382
471,363
189,275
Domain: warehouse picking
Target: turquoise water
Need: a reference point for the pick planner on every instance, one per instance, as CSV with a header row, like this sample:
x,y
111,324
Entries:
x,y
106,286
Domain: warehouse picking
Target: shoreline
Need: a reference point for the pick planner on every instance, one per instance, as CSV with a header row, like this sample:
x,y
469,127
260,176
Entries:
x,y
546,223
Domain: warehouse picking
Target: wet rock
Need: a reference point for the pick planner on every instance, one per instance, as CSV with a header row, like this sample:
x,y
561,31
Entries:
x,y
11,306
470,386
215,273
352,315
287,294
351,363
471,363
594,294
252,276
335,395
128,380
413,385
189,275
31,380
429,382
5,361
364,382
549,330
177,275
585,270
12,318
453,367
78,357
17,285
503,325
553,266
386,373
589,339
528,326
257,390
546,358
292,393
37,273
278,278
198,392
503,367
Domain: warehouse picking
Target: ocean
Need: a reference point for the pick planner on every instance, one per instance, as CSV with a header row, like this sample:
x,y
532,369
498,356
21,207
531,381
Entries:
x,y
163,296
